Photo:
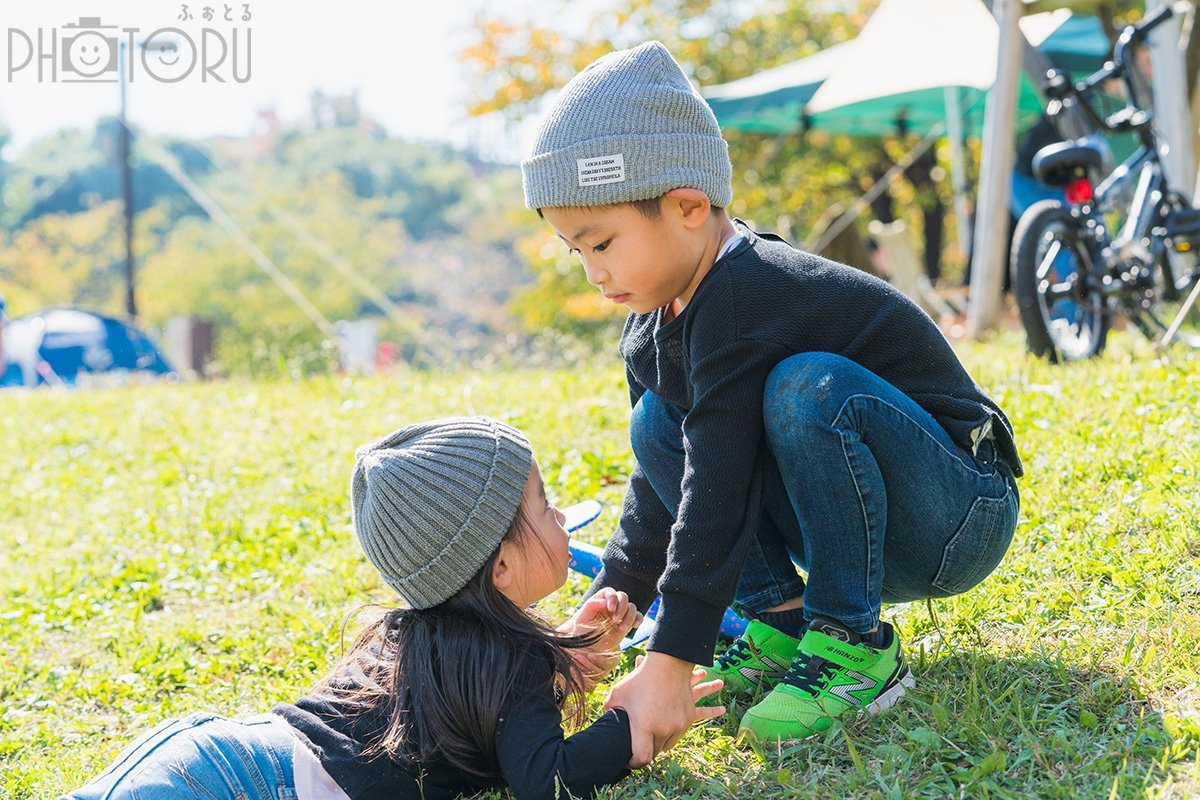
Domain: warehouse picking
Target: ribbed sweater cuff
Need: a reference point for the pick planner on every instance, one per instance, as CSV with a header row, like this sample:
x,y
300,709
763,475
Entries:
x,y
687,629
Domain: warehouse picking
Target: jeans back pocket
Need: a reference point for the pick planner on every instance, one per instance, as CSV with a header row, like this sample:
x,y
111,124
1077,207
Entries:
x,y
978,544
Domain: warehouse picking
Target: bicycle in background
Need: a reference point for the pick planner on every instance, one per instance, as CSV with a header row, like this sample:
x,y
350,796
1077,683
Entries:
x,y
1127,246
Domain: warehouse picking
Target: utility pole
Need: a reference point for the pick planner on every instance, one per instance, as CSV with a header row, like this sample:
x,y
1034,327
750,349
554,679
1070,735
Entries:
x,y
127,191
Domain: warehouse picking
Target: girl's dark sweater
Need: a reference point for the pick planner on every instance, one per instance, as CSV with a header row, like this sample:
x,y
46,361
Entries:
x,y
535,759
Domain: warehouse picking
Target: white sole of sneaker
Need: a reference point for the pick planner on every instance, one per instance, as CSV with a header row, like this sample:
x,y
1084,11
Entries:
x,y
891,696
879,704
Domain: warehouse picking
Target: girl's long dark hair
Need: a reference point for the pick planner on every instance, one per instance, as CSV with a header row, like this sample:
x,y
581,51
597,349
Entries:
x,y
440,677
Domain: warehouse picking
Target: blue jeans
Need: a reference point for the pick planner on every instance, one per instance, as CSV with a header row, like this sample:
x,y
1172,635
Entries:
x,y
201,756
865,491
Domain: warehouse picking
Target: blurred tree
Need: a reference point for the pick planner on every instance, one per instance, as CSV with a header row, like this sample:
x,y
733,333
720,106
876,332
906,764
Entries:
x,y
71,171
354,190
200,270
417,183
66,259
451,291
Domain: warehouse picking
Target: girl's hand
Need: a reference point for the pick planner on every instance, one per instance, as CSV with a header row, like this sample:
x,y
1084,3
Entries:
x,y
608,609
609,612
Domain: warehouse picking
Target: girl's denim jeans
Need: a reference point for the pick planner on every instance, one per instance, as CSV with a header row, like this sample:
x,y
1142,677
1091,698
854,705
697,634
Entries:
x,y
865,492
201,756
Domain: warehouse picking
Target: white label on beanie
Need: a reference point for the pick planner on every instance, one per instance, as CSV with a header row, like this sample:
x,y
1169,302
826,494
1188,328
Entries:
x,y
602,169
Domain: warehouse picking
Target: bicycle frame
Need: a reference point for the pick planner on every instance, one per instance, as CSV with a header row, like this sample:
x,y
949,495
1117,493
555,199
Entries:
x,y
1146,213
1144,164
1121,270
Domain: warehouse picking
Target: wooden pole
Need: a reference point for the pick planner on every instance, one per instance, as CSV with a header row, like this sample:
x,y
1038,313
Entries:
x,y
999,131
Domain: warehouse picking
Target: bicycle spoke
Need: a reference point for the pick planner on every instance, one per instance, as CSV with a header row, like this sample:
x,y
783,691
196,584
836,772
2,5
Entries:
x,y
1048,259
1059,291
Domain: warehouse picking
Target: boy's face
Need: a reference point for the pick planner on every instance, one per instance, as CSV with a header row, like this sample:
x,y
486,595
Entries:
x,y
635,261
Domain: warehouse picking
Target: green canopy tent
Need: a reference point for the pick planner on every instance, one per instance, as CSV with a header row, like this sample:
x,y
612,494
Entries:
x,y
774,101
1074,42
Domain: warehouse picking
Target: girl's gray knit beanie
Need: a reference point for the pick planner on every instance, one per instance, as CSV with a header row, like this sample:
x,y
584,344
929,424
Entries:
x,y
432,501
628,127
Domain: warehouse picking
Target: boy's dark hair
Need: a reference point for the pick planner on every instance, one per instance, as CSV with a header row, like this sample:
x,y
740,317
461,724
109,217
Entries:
x,y
439,677
651,208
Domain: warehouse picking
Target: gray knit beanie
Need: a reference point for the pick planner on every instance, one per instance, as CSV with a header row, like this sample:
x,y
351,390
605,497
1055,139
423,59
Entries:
x,y
628,127
432,501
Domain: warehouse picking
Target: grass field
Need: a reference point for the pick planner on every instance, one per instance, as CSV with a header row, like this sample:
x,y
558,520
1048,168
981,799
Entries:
x,y
170,549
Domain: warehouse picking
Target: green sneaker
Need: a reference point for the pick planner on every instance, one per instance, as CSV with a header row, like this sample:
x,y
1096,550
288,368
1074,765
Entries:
x,y
755,662
834,673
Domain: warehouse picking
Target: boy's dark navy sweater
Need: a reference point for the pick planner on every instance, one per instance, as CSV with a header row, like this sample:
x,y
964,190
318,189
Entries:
x,y
762,302
535,760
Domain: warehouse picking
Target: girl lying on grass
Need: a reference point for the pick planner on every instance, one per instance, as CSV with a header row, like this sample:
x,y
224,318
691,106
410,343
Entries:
x,y
461,692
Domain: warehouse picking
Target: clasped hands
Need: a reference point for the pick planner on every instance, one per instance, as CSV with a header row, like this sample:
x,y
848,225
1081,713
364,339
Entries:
x,y
661,693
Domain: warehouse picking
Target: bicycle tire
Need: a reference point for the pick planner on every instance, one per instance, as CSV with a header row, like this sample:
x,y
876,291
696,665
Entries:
x,y
1057,328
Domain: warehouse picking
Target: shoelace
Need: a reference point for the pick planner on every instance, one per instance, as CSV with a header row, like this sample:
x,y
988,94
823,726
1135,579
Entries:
x,y
809,673
741,650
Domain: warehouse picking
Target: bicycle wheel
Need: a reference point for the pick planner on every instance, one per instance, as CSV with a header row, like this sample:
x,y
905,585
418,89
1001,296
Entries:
x,y
1064,315
1155,308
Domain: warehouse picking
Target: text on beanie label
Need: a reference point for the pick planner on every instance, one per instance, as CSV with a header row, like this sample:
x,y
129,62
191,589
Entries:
x,y
602,169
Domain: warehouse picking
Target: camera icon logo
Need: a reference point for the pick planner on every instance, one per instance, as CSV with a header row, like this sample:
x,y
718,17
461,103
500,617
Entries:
x,y
89,51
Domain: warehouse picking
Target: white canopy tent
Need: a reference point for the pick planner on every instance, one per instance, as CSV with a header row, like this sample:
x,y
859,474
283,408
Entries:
x,y
911,46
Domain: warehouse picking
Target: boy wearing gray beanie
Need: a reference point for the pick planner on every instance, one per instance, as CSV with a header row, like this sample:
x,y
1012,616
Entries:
x,y
787,411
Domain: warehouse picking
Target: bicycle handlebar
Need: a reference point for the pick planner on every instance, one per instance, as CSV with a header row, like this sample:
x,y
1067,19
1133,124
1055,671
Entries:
x,y
1059,87
1157,17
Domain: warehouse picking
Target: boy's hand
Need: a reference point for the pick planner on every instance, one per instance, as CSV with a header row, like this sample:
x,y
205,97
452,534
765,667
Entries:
x,y
611,612
660,698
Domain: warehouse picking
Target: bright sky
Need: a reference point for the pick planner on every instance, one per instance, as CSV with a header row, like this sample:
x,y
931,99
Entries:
x,y
401,56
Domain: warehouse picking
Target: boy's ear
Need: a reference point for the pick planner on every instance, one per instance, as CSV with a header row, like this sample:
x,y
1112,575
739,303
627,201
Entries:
x,y
692,205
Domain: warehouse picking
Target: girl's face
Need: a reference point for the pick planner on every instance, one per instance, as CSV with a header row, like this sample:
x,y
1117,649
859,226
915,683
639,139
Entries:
x,y
534,564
